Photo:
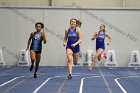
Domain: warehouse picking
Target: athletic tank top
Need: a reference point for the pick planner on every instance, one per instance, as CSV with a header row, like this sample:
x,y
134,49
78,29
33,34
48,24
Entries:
x,y
37,42
100,40
72,36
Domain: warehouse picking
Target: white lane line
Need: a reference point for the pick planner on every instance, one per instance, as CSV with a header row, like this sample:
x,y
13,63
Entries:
x,y
27,77
121,87
78,74
84,74
15,74
123,90
15,85
38,88
132,73
4,73
105,81
61,87
7,75
82,83
11,80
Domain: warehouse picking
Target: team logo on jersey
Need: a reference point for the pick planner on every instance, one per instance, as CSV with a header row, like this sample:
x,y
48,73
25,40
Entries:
x,y
37,37
101,36
72,35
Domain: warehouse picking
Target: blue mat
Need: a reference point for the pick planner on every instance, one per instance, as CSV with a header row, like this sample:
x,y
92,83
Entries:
x,y
54,80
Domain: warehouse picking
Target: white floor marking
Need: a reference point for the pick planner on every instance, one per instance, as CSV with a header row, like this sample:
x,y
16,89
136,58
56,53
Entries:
x,y
74,74
27,77
82,82
62,85
15,85
105,81
85,74
11,80
38,88
123,90
116,80
136,68
132,73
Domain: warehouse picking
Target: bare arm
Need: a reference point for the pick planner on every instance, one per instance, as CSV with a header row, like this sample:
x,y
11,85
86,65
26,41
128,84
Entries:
x,y
44,38
65,38
29,41
95,35
109,37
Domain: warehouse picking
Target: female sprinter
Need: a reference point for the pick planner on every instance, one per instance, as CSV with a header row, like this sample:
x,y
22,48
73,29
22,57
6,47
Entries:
x,y
76,55
72,39
100,44
35,40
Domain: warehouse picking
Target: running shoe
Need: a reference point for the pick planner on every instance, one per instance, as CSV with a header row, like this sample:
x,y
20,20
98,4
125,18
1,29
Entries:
x,y
69,76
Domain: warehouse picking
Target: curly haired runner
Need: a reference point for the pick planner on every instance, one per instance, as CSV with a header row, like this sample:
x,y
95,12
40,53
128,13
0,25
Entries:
x,y
35,40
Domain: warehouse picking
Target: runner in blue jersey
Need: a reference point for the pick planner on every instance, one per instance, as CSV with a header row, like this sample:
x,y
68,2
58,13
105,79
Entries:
x,y
35,40
100,45
72,39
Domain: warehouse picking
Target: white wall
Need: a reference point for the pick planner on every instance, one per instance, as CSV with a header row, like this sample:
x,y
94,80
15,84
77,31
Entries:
x,y
132,3
61,3
17,24
89,3
26,2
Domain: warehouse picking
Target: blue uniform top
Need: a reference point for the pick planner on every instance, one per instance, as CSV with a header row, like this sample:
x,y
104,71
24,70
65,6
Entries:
x,y
72,36
37,42
100,41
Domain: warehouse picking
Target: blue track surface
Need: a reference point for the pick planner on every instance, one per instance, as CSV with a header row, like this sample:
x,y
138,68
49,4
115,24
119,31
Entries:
x,y
54,80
